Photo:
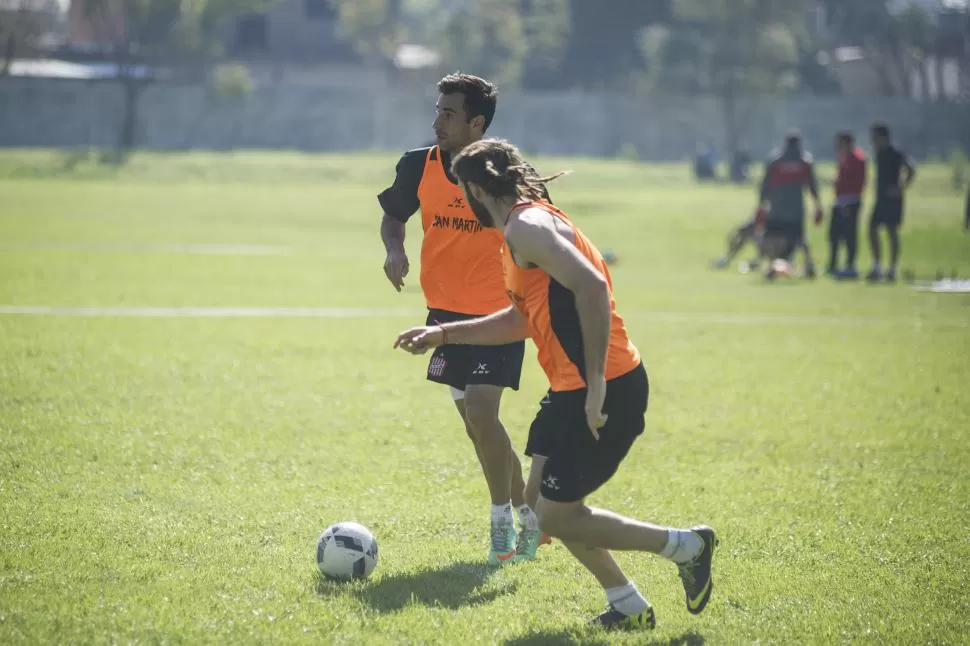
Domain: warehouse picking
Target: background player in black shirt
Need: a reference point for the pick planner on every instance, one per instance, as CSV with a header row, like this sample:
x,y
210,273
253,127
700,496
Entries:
x,y
888,212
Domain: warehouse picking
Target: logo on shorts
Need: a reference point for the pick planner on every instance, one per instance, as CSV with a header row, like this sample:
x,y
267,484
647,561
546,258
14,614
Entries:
x,y
551,483
437,366
482,369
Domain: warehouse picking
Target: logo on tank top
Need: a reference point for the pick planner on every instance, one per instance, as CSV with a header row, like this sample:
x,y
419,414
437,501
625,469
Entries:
x,y
455,223
457,203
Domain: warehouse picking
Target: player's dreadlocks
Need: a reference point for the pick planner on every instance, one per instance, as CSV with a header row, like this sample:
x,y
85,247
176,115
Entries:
x,y
497,166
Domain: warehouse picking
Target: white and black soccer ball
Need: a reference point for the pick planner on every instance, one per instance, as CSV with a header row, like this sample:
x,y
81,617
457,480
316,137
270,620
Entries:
x,y
347,551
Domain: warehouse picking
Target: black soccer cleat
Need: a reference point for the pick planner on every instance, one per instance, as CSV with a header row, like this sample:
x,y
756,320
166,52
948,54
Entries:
x,y
613,619
696,575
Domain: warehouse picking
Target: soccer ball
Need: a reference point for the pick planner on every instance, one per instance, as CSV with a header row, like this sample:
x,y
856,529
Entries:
x,y
347,551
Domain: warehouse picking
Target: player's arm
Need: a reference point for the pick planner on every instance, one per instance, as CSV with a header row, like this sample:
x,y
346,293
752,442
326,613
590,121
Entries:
x,y
763,191
392,234
909,171
505,326
400,202
813,190
761,213
536,242
396,263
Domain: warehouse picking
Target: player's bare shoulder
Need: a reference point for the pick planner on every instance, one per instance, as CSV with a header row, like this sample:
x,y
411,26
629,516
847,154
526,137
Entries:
x,y
527,230
534,232
529,221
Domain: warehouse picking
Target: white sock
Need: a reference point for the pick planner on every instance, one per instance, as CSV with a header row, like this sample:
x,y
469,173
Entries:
x,y
503,514
626,599
527,518
682,546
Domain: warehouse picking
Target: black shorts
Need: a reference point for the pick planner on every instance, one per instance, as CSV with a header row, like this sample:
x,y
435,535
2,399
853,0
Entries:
x,y
459,366
844,221
888,212
791,231
577,463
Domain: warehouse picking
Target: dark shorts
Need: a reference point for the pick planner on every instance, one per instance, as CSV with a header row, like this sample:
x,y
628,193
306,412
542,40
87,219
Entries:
x,y
844,221
460,366
577,463
888,212
791,231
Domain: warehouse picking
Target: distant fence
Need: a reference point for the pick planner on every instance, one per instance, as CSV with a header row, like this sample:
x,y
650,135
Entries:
x,y
56,113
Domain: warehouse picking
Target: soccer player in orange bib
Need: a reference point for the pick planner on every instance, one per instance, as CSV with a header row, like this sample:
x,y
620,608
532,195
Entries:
x,y
461,277
562,297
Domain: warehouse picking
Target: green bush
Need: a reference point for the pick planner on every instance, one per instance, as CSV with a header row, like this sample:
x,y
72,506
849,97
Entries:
x,y
628,152
232,80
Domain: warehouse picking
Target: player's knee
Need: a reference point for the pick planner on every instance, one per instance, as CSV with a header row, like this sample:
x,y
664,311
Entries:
x,y
550,522
481,413
556,520
470,432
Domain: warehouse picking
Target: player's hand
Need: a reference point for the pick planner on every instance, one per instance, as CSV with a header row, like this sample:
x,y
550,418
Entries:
x,y
419,340
595,398
396,268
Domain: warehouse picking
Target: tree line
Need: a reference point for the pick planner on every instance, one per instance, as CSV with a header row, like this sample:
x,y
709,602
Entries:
x,y
723,48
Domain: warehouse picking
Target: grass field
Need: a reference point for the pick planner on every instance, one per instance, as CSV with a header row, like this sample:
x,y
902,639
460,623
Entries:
x,y
163,479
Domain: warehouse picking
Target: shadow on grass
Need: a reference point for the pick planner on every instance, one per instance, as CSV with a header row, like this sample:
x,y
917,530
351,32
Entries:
x,y
594,637
452,586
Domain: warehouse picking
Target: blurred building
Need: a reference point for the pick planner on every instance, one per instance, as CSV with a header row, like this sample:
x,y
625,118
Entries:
x,y
297,42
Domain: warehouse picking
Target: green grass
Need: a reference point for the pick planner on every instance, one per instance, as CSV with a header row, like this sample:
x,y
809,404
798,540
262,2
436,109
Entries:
x,y
164,480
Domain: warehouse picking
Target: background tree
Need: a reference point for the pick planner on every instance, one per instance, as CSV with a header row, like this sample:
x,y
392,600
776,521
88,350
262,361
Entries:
x,y
376,28
22,24
146,34
730,49
603,51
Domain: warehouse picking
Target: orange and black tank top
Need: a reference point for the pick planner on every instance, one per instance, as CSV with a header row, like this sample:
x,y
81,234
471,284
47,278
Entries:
x,y
461,262
554,321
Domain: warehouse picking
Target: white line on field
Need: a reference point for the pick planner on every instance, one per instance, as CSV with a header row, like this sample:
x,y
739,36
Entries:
x,y
715,318
754,318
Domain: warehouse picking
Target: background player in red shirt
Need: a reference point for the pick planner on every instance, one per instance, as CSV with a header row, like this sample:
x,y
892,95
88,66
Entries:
x,y
788,173
844,224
